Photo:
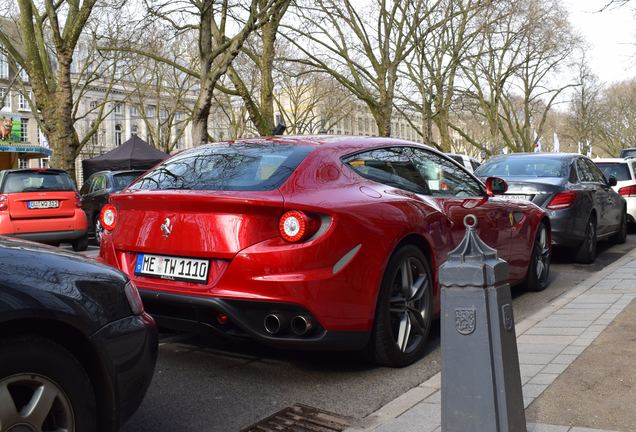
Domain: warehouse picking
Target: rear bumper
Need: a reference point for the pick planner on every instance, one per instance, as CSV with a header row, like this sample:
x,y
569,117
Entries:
x,y
129,352
51,236
245,319
631,209
568,228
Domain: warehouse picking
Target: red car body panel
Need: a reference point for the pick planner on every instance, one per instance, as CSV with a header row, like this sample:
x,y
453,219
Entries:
x,y
238,232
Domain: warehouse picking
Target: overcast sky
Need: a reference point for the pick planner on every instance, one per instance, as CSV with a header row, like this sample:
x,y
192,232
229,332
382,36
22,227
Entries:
x,y
611,36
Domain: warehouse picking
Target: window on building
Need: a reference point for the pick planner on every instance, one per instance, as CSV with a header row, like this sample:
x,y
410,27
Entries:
x,y
24,76
134,112
5,100
117,108
93,104
23,163
150,111
24,130
44,163
117,135
4,66
23,102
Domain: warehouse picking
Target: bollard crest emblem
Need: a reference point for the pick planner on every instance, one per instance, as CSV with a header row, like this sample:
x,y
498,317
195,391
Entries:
x,y
506,313
465,321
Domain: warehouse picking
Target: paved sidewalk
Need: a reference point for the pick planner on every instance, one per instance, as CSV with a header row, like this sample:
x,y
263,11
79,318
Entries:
x,y
548,342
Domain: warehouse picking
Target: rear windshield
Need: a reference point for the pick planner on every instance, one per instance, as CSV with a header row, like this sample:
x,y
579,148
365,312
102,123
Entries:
x,y
243,166
124,179
37,181
524,167
618,169
628,153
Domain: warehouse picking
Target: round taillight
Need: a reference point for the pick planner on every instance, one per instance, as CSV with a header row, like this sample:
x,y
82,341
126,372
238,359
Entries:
x,y
293,225
108,217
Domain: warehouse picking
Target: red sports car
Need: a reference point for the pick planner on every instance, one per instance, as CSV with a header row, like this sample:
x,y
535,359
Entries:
x,y
312,242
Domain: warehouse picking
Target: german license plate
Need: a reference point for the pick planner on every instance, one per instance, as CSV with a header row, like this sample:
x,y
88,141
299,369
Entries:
x,y
513,197
45,204
173,268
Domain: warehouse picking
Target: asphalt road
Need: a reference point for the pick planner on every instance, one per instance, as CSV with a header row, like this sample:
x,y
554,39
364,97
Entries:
x,y
210,385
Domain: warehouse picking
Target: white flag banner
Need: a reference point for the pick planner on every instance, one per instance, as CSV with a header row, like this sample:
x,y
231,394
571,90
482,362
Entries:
x,y
556,145
589,149
578,146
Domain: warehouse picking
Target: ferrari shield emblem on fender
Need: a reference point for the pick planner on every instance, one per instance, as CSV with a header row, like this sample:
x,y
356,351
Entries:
x,y
465,321
166,228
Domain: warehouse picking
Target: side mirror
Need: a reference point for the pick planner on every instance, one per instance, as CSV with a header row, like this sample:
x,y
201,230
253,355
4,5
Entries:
x,y
612,181
495,186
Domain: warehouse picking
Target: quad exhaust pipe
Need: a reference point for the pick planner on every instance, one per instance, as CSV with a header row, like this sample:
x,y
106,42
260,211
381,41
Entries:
x,y
301,325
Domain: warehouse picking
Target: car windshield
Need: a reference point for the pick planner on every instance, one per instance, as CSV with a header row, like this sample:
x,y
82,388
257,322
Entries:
x,y
124,179
523,166
37,181
619,170
241,166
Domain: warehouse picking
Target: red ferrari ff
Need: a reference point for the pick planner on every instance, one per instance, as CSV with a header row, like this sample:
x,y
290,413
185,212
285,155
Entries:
x,y
312,242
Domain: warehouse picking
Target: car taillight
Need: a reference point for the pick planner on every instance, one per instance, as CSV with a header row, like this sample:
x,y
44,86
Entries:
x,y
78,200
562,200
295,226
134,300
4,202
108,217
627,191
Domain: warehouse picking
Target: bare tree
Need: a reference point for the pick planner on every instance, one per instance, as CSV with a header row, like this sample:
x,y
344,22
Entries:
x,y
221,28
618,124
584,119
41,37
432,69
361,46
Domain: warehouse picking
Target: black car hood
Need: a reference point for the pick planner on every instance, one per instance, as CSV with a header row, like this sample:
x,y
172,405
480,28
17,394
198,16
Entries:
x,y
38,281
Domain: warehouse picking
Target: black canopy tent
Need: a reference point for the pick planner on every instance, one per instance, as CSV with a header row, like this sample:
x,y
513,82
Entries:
x,y
133,154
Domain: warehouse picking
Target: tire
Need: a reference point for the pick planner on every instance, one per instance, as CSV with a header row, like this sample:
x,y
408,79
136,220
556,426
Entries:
x,y
586,253
97,227
31,365
621,236
404,310
539,267
80,244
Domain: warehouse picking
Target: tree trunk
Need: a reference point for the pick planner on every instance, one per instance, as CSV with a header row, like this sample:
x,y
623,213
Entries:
x,y
442,123
267,81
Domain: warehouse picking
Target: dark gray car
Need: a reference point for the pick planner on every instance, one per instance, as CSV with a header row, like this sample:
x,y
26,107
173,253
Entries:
x,y
577,197
96,191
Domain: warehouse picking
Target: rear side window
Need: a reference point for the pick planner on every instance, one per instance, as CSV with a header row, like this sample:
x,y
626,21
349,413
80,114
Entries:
x,y
242,166
37,181
619,170
124,179
390,167
524,166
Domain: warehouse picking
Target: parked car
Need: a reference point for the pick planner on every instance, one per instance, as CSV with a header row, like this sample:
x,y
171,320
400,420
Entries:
x,y
77,351
623,170
468,162
577,197
42,205
97,189
627,152
327,242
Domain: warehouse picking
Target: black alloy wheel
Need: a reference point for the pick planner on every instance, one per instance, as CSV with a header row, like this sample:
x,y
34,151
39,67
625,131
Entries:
x,y
586,253
539,267
43,388
405,309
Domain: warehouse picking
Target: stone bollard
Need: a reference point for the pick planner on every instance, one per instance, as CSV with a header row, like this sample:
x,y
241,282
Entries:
x,y
481,383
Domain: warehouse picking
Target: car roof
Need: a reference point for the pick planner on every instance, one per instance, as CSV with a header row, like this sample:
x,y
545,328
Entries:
x,y
540,155
615,160
334,142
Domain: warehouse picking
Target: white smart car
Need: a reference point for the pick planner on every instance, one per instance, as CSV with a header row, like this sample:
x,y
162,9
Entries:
x,y
623,169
